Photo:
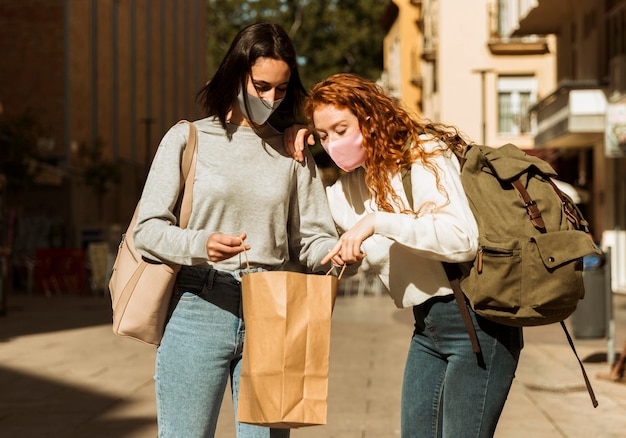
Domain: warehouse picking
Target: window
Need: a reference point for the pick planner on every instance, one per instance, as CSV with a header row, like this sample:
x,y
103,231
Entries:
x,y
516,94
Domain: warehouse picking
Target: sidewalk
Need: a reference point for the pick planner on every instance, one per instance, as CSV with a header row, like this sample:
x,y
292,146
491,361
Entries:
x,y
64,374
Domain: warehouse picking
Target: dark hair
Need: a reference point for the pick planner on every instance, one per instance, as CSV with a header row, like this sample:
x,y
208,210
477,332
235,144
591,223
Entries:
x,y
260,40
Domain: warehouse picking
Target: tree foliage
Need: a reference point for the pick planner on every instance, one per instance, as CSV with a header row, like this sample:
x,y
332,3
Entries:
x,y
99,172
330,36
18,141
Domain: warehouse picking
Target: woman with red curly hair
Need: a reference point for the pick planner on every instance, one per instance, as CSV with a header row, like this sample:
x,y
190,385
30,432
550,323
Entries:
x,y
448,390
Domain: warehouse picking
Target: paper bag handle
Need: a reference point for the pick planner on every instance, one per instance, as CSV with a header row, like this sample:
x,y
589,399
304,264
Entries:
x,y
245,253
343,268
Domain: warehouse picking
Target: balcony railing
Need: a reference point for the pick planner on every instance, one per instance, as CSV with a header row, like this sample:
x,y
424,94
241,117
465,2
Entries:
x,y
572,116
530,45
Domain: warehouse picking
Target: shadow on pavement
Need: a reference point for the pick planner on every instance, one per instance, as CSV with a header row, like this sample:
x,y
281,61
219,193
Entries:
x,y
30,314
58,410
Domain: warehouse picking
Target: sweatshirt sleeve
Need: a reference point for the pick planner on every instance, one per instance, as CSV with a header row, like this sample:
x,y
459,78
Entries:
x,y
312,230
446,229
156,234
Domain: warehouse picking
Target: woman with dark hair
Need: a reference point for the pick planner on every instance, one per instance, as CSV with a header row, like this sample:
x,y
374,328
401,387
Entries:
x,y
404,231
267,41
248,192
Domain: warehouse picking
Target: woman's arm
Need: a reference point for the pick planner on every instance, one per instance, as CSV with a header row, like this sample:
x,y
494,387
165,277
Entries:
x,y
312,232
445,230
156,233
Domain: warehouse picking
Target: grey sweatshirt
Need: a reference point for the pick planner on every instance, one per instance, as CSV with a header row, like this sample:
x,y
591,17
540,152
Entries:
x,y
243,183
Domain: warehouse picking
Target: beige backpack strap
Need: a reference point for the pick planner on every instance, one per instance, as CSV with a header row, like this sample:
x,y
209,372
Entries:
x,y
188,173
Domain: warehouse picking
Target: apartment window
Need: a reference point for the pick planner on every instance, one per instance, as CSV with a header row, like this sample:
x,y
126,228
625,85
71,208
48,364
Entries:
x,y
516,94
507,17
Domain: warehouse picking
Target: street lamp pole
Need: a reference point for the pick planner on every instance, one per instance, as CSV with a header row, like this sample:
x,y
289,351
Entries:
x,y
483,102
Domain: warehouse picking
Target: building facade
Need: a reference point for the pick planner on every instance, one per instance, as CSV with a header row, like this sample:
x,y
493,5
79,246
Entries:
x,y
104,79
584,115
402,77
465,68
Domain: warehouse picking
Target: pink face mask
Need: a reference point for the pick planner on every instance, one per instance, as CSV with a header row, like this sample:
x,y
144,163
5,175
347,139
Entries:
x,y
347,152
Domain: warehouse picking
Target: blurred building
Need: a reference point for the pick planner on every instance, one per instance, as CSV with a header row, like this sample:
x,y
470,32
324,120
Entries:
x,y
584,115
95,74
457,63
403,50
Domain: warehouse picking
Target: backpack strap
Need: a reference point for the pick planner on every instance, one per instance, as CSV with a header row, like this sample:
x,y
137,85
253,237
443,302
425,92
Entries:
x,y
534,213
405,172
531,206
467,319
453,272
454,277
594,401
571,210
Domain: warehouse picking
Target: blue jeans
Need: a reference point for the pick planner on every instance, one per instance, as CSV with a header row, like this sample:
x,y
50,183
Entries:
x,y
447,390
201,349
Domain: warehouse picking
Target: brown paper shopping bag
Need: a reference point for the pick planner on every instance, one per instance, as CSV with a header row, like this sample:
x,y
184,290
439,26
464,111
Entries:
x,y
284,374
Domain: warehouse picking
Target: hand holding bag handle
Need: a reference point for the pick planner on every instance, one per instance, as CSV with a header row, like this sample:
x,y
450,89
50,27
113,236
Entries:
x,y
332,268
141,290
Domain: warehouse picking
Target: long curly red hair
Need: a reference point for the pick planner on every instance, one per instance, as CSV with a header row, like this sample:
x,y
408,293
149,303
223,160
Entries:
x,y
390,134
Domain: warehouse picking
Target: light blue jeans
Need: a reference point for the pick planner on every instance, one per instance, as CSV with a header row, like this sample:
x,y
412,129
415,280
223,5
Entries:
x,y
447,390
201,349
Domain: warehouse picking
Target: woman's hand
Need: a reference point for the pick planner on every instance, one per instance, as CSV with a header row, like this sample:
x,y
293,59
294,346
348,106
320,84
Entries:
x,y
295,138
348,249
220,247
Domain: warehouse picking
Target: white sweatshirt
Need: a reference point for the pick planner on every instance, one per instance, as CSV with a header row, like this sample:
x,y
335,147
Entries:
x,y
406,252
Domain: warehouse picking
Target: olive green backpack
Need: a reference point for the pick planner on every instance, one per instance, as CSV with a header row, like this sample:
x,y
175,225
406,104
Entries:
x,y
532,240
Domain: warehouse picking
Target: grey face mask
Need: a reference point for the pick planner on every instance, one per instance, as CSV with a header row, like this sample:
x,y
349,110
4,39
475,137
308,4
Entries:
x,y
260,109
